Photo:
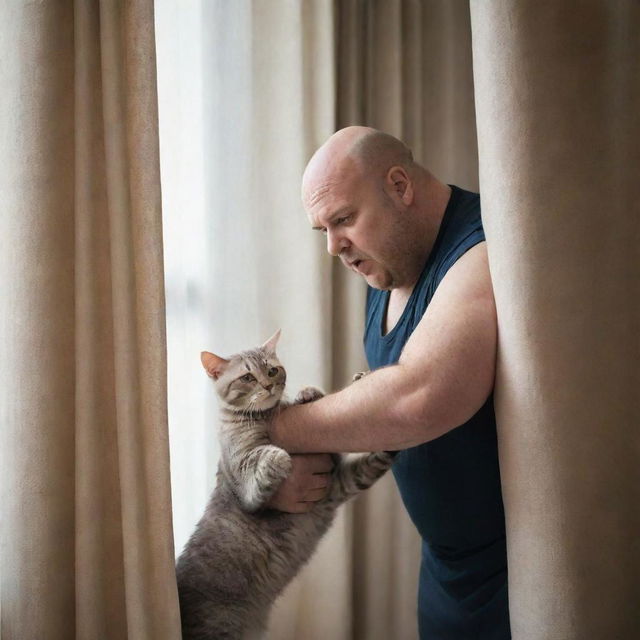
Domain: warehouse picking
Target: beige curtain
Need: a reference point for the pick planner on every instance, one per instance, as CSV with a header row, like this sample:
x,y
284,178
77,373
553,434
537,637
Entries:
x,y
86,531
558,104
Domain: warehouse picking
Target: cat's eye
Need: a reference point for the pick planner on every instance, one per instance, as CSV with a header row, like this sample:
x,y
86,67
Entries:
x,y
247,377
272,372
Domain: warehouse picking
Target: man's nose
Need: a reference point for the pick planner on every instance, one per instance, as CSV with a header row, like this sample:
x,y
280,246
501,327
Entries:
x,y
336,242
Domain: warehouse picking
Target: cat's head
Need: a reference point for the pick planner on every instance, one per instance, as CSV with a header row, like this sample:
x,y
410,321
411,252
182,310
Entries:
x,y
250,380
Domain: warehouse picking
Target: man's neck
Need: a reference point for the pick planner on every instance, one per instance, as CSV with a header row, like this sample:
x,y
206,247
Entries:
x,y
437,196
432,203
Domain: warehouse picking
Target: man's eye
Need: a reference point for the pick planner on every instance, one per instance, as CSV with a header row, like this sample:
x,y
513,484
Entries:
x,y
342,220
272,372
247,378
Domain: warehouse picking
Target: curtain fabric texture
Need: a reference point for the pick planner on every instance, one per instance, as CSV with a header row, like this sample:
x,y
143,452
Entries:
x,y
87,548
557,99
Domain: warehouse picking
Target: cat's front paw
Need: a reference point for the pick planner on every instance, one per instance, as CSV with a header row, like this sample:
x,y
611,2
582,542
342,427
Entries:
x,y
276,466
262,476
360,374
386,458
308,394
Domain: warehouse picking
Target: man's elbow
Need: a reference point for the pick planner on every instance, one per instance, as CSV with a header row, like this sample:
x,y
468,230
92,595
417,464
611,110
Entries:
x,y
427,414
420,419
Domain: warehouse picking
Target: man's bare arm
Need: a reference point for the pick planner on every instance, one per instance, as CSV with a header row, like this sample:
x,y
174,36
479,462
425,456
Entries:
x,y
444,375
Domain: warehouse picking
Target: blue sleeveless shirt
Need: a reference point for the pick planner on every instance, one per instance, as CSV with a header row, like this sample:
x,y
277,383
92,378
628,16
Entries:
x,y
450,485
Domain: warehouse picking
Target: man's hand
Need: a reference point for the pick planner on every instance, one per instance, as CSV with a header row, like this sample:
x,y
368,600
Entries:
x,y
308,483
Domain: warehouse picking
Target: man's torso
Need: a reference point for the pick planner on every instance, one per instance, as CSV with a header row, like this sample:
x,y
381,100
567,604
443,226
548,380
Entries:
x,y
450,485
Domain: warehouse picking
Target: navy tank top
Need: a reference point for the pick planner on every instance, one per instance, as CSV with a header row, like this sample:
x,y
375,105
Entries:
x,y
451,485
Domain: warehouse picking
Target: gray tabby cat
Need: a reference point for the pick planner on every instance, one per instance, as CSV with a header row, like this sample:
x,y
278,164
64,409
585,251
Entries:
x,y
242,555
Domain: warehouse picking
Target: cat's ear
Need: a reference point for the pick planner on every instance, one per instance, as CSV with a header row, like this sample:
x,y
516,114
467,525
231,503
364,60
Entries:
x,y
270,344
214,365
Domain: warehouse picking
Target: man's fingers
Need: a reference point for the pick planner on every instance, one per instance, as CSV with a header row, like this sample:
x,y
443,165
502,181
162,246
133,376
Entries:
x,y
308,483
320,481
303,507
291,507
317,462
314,495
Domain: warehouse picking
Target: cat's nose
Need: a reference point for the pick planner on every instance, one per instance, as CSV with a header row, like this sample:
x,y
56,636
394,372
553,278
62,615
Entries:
x,y
269,387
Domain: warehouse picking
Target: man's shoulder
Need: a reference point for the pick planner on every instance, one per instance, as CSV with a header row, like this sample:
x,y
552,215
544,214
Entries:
x,y
462,231
465,200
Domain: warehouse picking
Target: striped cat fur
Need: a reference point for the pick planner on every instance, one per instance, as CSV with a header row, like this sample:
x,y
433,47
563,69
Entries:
x,y
242,555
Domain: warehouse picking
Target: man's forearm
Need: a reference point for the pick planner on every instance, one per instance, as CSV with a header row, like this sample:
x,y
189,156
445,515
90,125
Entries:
x,y
379,412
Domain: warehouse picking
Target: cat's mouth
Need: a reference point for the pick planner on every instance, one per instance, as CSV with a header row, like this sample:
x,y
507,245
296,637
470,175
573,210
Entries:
x,y
265,400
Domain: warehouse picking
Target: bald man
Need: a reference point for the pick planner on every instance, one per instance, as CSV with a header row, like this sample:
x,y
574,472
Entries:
x,y
430,339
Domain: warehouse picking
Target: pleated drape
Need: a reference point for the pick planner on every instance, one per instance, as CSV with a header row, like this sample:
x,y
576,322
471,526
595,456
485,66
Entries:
x,y
558,104
87,547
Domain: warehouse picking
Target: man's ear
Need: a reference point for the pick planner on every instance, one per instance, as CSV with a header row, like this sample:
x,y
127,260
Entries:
x,y
399,184
214,365
270,344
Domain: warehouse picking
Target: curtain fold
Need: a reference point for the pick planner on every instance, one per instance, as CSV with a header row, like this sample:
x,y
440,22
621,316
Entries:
x,y
557,100
85,468
37,343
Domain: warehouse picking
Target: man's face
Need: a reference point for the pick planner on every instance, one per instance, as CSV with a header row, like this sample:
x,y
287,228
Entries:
x,y
363,226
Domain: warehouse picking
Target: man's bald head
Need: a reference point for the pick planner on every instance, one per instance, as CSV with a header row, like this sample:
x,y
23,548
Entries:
x,y
378,208
362,149
376,152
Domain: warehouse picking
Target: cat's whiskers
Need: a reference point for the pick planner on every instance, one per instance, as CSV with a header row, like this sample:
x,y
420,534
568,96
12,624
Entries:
x,y
248,415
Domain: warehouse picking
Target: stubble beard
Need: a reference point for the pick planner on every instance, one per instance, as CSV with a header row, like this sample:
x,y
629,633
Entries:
x,y
403,262
401,258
